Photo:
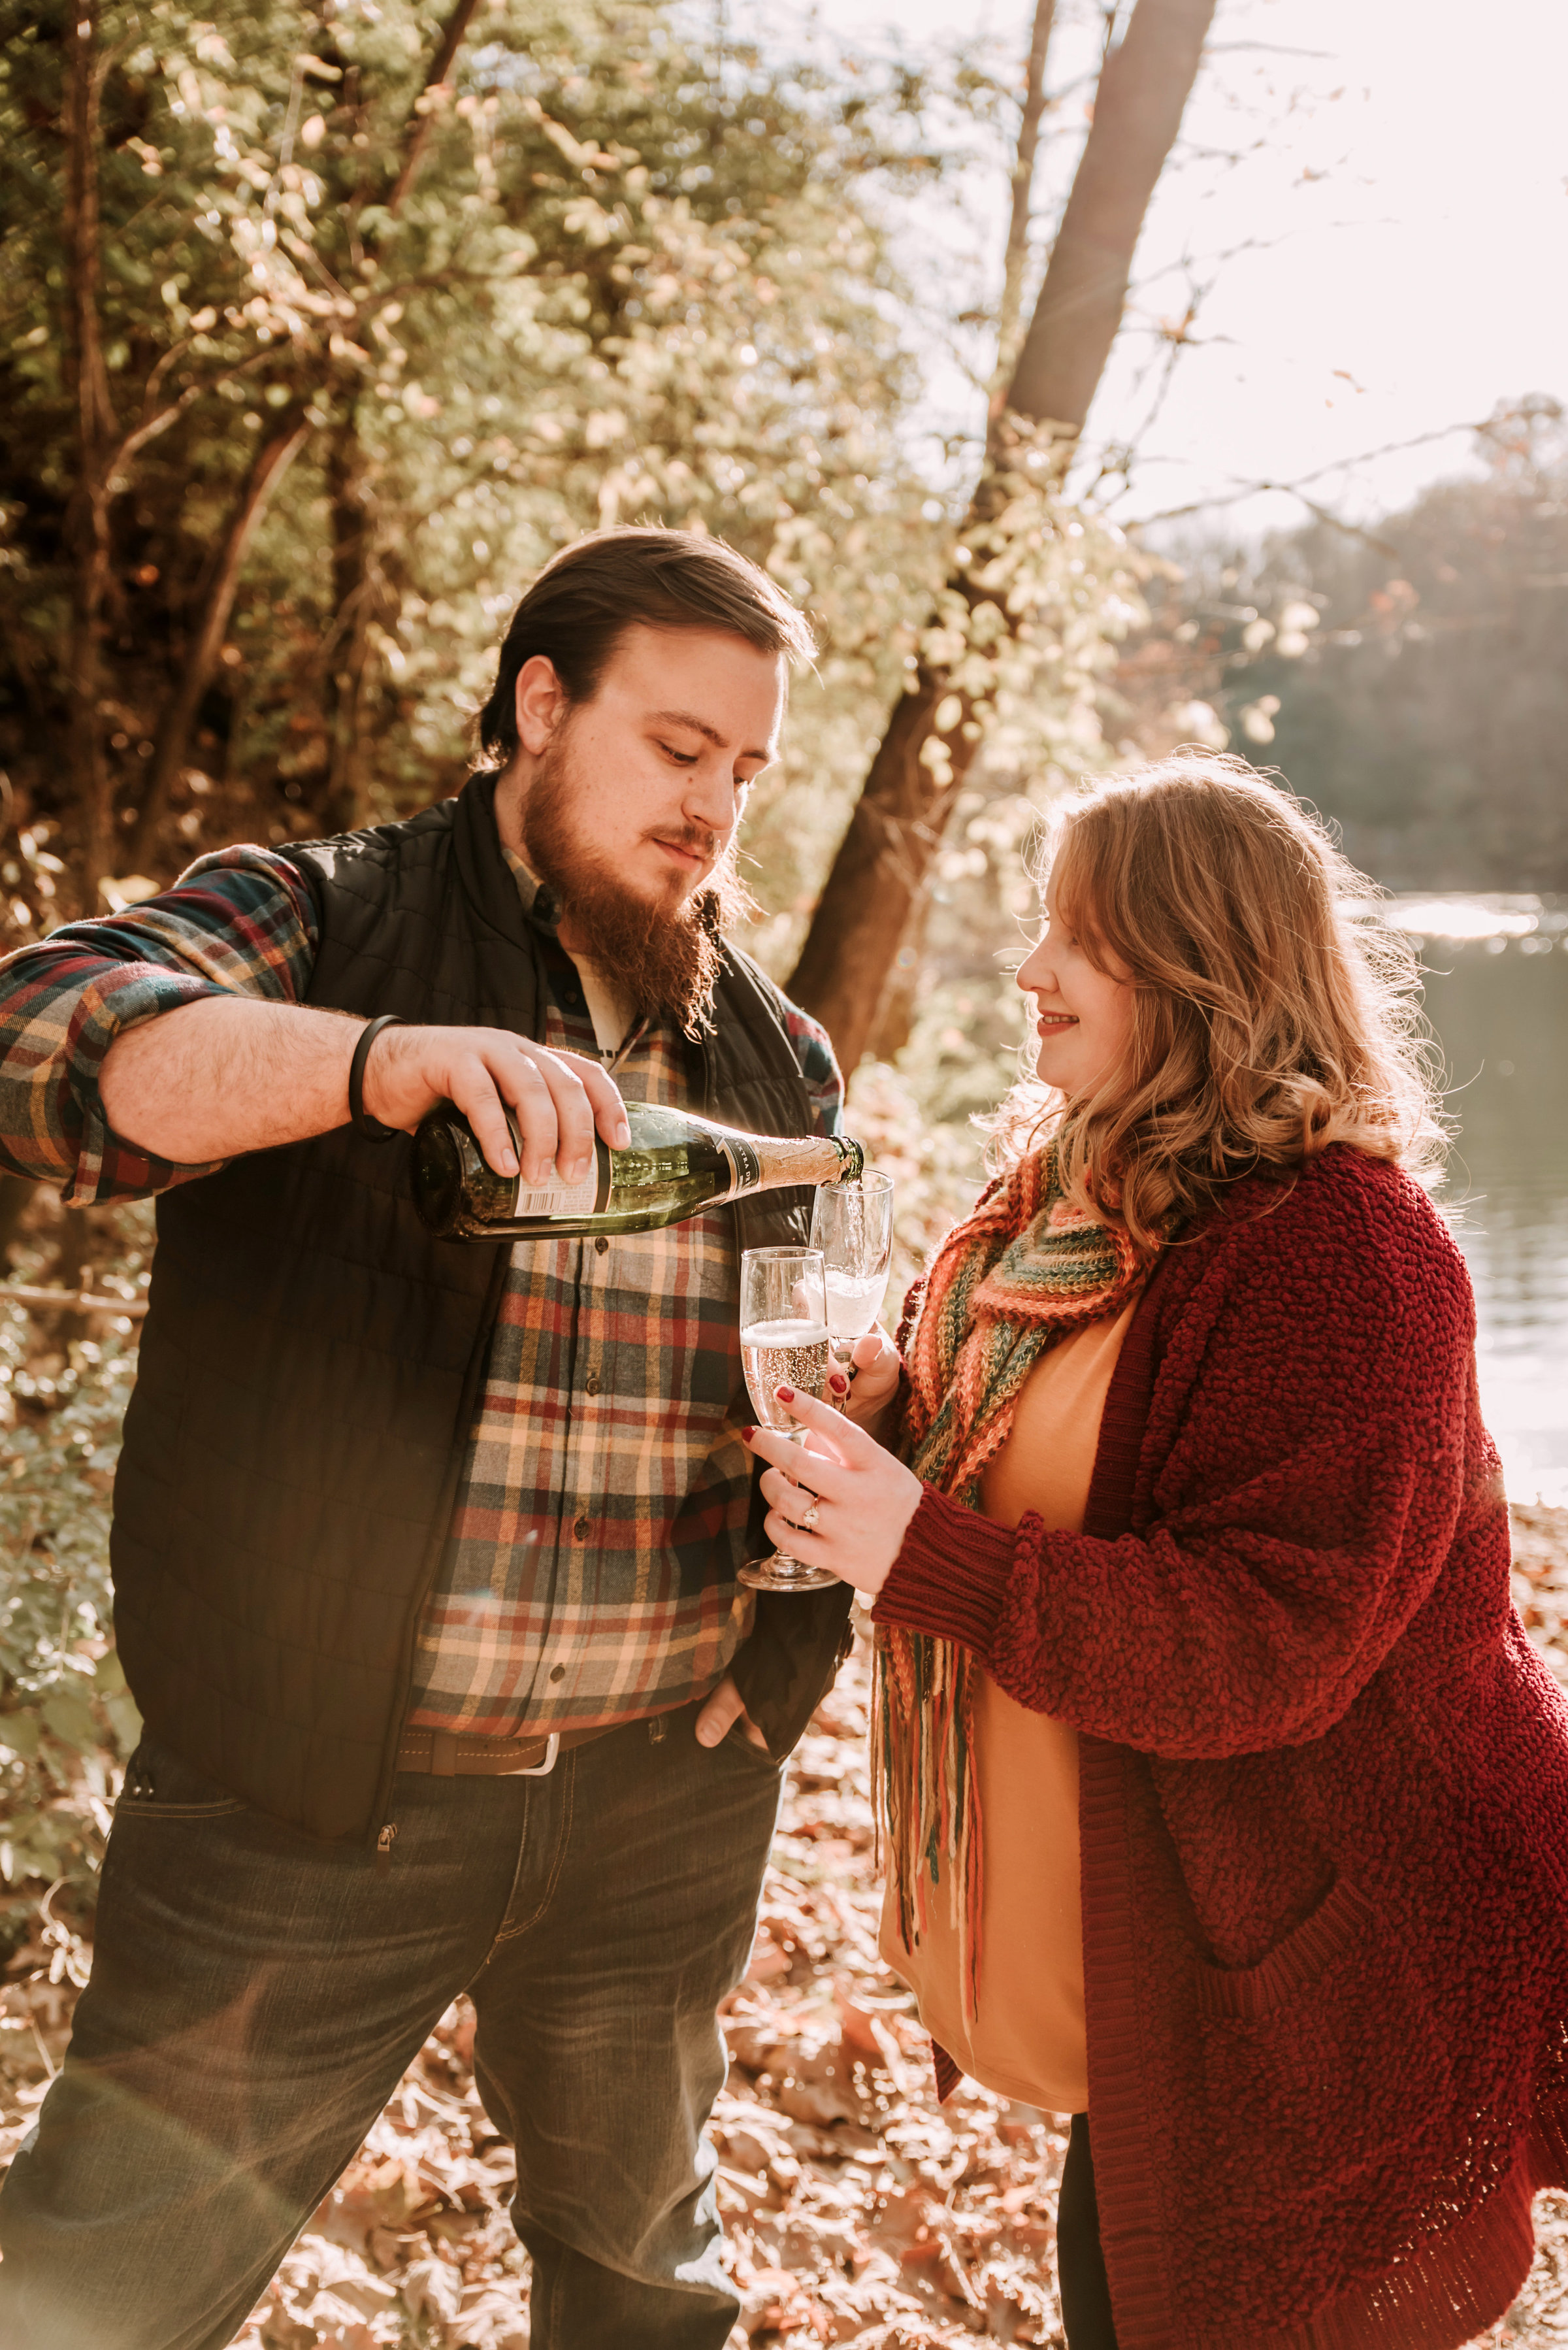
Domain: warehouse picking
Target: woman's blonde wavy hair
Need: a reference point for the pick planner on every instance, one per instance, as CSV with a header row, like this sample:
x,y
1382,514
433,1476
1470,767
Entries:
x,y
1275,1013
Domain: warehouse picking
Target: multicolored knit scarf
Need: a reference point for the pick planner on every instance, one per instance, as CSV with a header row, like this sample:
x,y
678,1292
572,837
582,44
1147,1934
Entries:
x,y
1022,1273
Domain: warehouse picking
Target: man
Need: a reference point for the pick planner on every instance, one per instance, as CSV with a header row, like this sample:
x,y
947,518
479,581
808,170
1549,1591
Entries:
x,y
425,1554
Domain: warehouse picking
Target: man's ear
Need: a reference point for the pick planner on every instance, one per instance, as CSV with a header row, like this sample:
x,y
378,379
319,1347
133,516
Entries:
x,y
541,705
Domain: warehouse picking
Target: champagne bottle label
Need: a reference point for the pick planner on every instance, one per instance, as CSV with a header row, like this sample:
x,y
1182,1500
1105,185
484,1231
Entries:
x,y
559,1199
554,1200
747,1165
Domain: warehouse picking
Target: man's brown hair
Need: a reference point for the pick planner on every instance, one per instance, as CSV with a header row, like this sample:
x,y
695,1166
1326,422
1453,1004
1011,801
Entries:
x,y
592,591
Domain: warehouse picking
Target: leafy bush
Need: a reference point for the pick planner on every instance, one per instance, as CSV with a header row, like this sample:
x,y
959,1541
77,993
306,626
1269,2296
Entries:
x,y
67,1720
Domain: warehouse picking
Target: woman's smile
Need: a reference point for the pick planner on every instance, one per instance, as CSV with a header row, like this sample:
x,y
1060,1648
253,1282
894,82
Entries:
x,y
1094,1039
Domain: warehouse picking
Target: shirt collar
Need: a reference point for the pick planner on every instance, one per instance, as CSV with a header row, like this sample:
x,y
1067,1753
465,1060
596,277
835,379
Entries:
x,y
539,901
541,908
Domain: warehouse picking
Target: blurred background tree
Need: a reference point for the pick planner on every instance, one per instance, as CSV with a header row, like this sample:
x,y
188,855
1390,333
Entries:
x,y
323,327
1023,607
323,330
1408,676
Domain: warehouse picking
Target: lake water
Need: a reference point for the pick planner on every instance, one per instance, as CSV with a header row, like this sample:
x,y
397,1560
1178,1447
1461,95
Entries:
x,y
1497,995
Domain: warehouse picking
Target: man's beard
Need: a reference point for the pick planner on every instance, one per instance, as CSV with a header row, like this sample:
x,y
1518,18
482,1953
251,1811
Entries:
x,y
664,952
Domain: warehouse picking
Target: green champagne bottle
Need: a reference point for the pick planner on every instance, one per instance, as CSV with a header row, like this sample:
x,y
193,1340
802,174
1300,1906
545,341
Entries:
x,y
674,1166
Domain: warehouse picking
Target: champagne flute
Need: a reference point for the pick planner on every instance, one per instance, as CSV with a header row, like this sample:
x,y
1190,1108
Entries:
x,y
852,1224
783,1343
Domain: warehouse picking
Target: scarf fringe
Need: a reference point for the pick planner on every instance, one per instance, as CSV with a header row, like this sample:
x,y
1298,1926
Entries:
x,y
1007,1285
925,1794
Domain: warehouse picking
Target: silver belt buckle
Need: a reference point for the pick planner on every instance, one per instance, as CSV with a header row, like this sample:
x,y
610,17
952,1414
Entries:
x,y
541,1770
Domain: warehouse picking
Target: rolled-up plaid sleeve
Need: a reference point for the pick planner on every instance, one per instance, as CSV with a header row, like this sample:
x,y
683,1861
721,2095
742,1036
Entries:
x,y
814,1051
239,923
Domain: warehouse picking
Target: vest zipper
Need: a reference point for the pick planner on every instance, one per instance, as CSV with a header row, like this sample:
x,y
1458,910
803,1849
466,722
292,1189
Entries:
x,y
384,1843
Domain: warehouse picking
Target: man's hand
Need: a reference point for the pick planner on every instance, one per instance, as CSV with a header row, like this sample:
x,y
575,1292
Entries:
x,y
228,1074
863,1498
556,1098
720,1713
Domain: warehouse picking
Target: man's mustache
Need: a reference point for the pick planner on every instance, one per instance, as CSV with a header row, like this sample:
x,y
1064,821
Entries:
x,y
695,839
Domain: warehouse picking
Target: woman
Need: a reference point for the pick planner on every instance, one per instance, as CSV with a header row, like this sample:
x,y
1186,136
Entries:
x,y
1227,1798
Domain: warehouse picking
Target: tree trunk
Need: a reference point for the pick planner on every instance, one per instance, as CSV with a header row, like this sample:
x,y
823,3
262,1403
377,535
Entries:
x,y
87,525
884,862
900,1003
1142,95
354,597
213,601
1015,260
880,871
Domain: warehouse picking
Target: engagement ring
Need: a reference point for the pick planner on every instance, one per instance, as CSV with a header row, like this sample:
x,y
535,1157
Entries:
x,y
808,1523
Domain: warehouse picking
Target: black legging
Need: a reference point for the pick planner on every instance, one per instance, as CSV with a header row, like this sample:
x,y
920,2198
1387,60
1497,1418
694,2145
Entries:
x,y
1080,2263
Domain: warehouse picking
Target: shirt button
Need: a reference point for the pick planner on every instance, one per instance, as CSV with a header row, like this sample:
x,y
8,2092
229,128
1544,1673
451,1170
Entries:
x,y
592,1383
600,1245
558,1673
581,1529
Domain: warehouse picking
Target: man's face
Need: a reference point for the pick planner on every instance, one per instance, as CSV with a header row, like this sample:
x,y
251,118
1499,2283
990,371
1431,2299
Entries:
x,y
628,803
650,776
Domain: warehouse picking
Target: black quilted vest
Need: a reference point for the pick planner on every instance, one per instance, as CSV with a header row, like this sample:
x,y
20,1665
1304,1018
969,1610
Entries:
x,y
312,1359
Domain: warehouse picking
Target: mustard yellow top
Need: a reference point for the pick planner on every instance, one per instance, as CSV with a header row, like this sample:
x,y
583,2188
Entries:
x,y
1026,2040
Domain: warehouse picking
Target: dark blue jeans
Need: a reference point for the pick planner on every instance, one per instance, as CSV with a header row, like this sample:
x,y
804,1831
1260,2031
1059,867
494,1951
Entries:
x,y
256,1996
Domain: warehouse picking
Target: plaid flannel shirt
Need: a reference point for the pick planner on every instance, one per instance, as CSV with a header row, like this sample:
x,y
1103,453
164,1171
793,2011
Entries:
x,y
603,1422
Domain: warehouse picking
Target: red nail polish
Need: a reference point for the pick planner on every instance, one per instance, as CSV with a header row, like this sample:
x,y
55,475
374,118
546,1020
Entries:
x,y
784,1395
747,1434
838,1383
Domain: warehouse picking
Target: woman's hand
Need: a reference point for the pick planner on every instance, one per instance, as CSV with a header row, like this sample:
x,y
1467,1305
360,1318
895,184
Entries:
x,y
865,1395
862,1497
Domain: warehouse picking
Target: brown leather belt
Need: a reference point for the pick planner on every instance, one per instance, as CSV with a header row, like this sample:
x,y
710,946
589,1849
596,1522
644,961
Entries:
x,y
449,1756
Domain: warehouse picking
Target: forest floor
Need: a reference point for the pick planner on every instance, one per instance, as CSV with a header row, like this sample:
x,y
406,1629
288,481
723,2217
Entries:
x,y
855,2209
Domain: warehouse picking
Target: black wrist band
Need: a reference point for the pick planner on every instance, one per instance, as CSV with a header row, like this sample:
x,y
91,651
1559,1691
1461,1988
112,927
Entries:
x,y
360,1117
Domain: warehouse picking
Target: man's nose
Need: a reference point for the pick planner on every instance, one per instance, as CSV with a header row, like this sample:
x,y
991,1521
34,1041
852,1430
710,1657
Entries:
x,y
710,798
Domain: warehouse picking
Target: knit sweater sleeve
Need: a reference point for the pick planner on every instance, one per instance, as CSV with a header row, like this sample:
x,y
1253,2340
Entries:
x,y
1305,1473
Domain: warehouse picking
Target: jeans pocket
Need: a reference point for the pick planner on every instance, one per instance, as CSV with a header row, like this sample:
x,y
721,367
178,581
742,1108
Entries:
x,y
161,1785
736,1742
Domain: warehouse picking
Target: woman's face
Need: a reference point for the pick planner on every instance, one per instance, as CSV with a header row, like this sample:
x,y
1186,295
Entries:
x,y
1083,1016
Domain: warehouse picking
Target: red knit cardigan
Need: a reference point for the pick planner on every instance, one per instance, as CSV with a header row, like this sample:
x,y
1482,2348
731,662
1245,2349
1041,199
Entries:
x,y
1324,1786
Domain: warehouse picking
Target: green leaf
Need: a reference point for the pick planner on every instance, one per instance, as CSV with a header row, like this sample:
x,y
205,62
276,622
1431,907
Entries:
x,y
70,1718
19,1733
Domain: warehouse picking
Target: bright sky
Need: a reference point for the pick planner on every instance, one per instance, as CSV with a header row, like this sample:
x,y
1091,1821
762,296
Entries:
x,y
1409,266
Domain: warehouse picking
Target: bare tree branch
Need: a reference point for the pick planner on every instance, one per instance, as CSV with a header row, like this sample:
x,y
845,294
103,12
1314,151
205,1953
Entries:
x,y
213,601
151,426
1016,259
1251,489
419,128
